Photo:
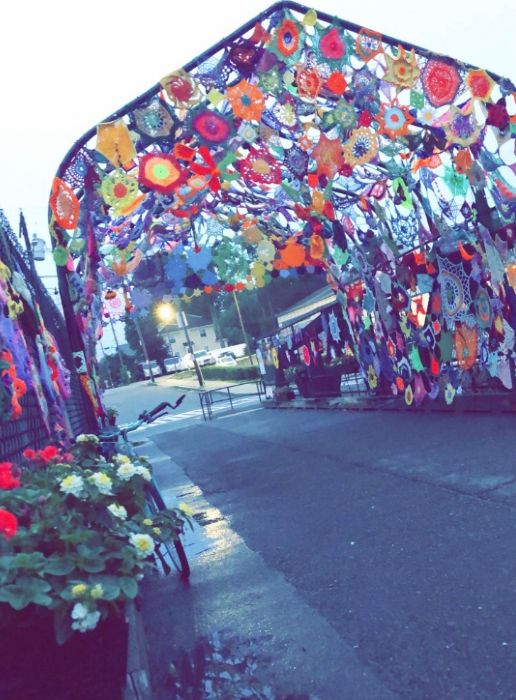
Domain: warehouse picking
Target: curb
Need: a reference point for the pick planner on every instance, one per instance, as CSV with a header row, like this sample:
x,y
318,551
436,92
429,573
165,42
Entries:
x,y
455,408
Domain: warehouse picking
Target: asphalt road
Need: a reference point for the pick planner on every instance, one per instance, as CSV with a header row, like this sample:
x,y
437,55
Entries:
x,y
397,528
377,520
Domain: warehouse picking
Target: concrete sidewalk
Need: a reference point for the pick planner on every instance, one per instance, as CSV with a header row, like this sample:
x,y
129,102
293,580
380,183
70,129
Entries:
x,y
239,629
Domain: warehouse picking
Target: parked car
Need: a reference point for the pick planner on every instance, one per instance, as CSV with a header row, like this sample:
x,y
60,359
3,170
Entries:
x,y
203,357
156,369
173,364
226,359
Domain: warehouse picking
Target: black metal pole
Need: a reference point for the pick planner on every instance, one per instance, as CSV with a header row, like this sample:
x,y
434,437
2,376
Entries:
x,y
183,323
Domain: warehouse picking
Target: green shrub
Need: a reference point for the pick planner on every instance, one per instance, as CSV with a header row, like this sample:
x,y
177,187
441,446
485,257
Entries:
x,y
230,373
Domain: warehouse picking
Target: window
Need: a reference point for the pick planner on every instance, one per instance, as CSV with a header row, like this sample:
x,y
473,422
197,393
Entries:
x,y
202,333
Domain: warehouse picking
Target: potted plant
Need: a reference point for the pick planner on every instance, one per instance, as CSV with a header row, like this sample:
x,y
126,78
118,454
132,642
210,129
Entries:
x,y
75,539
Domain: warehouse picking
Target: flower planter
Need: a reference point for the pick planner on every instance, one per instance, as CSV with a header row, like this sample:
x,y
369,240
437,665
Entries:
x,y
90,666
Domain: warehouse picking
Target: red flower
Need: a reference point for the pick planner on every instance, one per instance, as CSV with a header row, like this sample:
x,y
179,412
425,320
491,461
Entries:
x,y
49,452
8,524
497,115
7,479
331,45
29,453
441,82
211,127
365,119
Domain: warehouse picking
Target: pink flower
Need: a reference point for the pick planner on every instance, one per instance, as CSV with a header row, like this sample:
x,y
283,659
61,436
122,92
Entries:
x,y
331,45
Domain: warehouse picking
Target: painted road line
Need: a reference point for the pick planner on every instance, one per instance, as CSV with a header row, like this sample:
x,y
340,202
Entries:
x,y
197,413
248,410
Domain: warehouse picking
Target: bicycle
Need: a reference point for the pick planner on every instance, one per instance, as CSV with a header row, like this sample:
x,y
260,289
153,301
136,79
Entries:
x,y
110,441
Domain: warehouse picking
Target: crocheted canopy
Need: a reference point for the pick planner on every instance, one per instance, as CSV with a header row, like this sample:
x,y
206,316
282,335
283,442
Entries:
x,y
303,142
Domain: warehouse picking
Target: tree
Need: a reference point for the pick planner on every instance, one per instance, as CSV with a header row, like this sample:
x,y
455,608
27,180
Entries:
x,y
110,369
260,306
154,342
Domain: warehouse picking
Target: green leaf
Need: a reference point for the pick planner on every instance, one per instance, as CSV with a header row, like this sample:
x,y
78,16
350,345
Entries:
x,y
92,564
60,565
25,591
24,560
129,587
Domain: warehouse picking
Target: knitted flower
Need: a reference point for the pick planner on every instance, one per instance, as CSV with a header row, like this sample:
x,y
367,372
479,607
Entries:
x,y
247,100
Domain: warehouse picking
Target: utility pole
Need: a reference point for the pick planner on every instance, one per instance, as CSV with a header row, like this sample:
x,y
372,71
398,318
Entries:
x,y
144,348
244,332
181,317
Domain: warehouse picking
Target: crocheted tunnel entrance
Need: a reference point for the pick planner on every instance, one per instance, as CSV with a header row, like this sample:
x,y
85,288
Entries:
x,y
302,143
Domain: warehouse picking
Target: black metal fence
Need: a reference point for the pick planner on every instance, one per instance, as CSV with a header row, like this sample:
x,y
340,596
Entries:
x,y
29,429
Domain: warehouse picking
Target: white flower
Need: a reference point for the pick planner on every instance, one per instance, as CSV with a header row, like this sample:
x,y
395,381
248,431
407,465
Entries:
x,y
72,484
79,611
102,482
87,623
84,620
87,437
121,459
125,471
143,472
144,545
426,116
118,511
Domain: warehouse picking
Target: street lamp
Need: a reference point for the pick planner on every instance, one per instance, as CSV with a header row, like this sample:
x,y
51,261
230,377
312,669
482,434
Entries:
x,y
166,314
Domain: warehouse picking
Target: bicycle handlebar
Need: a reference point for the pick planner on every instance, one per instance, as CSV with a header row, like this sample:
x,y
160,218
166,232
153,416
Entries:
x,y
160,407
148,416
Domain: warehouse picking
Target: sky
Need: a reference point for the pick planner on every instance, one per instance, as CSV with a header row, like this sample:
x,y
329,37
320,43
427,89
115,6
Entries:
x,y
65,66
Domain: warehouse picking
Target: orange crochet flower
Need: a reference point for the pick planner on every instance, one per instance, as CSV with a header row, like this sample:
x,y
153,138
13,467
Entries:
x,y
247,100
463,161
309,82
287,38
64,204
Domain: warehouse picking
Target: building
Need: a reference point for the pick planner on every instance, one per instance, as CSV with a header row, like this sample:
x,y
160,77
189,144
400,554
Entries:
x,y
202,335
306,309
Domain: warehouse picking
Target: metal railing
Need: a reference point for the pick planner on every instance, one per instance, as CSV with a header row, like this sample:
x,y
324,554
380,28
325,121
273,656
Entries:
x,y
223,394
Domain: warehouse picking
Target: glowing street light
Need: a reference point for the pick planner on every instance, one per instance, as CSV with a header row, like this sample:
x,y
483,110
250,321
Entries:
x,y
167,312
